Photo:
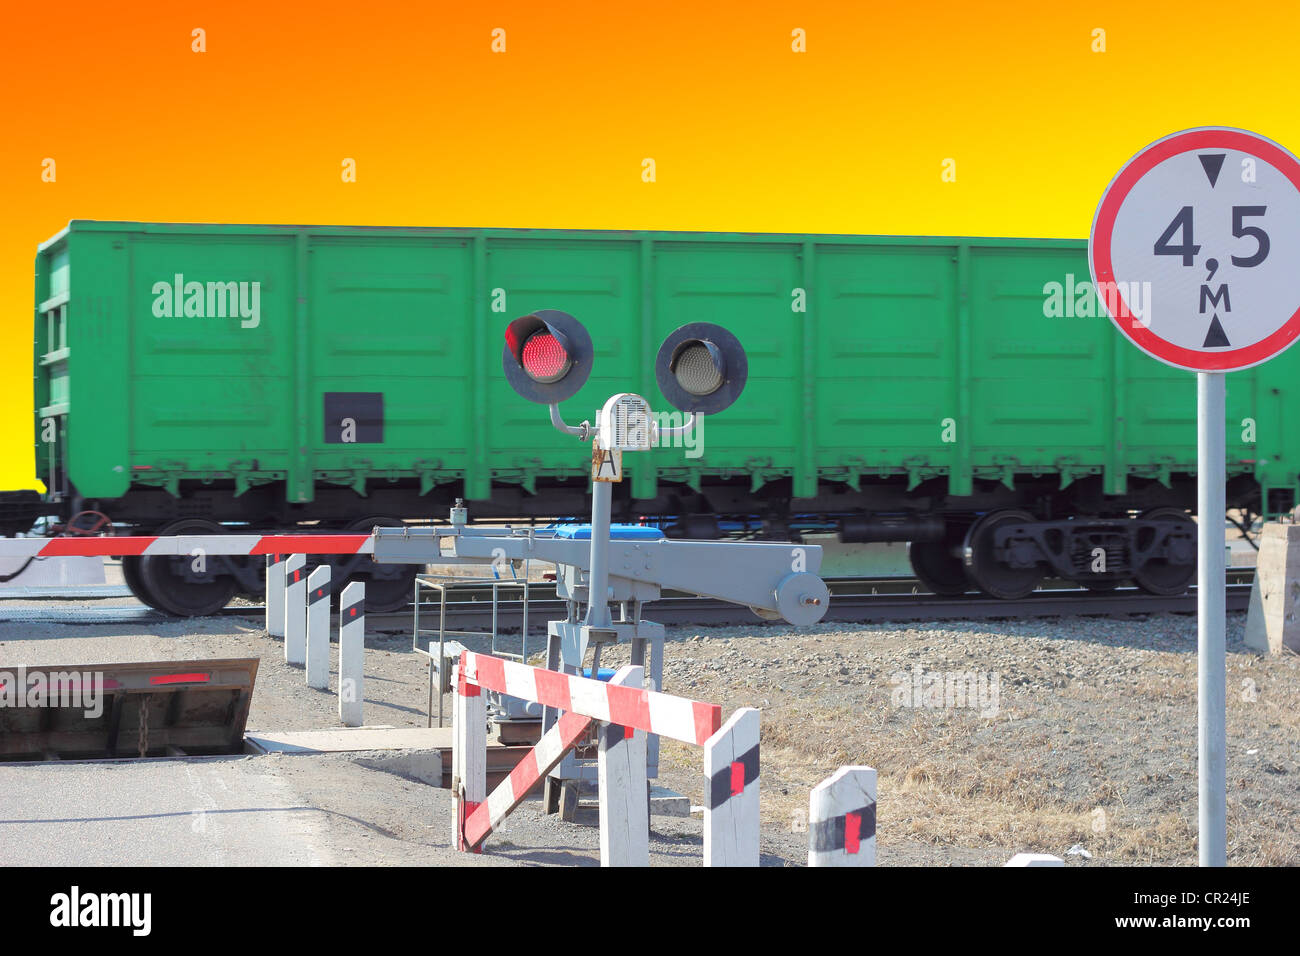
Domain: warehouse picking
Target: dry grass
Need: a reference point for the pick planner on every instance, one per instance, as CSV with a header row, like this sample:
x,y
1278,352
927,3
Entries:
x,y
1109,763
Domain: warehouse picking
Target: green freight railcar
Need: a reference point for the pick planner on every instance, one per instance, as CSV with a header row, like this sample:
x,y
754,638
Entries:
x,y
964,394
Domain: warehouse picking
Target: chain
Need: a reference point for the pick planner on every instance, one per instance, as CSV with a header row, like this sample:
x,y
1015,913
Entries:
x,y
143,742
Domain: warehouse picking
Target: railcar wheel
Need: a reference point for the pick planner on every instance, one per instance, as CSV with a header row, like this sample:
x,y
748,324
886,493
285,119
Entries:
x,y
131,575
164,578
1159,576
389,587
935,567
987,573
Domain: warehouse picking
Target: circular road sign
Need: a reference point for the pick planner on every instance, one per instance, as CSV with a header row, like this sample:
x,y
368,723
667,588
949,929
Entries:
x,y
1195,249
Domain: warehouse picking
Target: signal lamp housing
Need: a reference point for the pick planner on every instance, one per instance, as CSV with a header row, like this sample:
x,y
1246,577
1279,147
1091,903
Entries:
x,y
701,368
547,356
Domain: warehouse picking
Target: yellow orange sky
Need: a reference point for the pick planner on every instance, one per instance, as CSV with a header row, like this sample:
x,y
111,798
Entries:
x,y
746,134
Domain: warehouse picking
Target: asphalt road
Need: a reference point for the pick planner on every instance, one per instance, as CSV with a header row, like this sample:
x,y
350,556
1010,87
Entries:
x,y
162,812
283,810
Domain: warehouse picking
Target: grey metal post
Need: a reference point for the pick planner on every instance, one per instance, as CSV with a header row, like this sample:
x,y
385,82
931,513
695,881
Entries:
x,y
598,576
1211,646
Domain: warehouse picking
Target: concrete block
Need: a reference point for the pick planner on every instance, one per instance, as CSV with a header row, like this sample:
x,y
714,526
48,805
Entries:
x,y
422,766
1273,621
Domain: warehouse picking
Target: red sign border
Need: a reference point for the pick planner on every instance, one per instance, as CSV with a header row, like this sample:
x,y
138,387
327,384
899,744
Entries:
x,y
1103,225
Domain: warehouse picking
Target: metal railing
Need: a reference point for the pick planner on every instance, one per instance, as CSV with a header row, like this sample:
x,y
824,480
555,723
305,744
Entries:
x,y
444,586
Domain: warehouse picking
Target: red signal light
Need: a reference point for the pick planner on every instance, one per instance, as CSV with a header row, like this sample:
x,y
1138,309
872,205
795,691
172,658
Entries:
x,y
544,357
548,356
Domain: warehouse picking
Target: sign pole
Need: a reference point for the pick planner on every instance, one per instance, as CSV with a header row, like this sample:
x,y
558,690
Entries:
x,y
1211,645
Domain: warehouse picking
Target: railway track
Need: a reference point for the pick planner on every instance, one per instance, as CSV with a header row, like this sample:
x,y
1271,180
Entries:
x,y
858,600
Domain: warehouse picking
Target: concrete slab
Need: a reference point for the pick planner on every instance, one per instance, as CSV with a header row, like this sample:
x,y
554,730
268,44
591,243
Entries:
x,y
663,802
412,752
347,739
668,803
1273,619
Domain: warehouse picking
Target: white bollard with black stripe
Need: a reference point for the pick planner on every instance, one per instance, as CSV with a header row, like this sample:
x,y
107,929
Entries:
x,y
318,628
295,610
842,819
275,595
731,792
352,653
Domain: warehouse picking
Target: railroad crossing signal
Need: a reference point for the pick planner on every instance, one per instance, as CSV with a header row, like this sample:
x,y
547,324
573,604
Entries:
x,y
547,356
702,368
1194,249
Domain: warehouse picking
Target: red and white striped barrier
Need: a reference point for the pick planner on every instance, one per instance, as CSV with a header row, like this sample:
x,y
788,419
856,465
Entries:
x,y
842,819
730,820
485,816
163,545
680,718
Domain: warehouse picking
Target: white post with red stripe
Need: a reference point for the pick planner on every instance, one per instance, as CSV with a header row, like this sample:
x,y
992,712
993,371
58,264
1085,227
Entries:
x,y
295,610
842,819
352,653
622,781
275,595
731,797
731,827
318,628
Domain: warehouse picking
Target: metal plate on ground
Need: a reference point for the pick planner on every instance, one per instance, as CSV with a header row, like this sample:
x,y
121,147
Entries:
x,y
137,709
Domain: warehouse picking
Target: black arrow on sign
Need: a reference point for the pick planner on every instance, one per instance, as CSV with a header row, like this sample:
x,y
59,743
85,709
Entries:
x,y
1216,338
1212,163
